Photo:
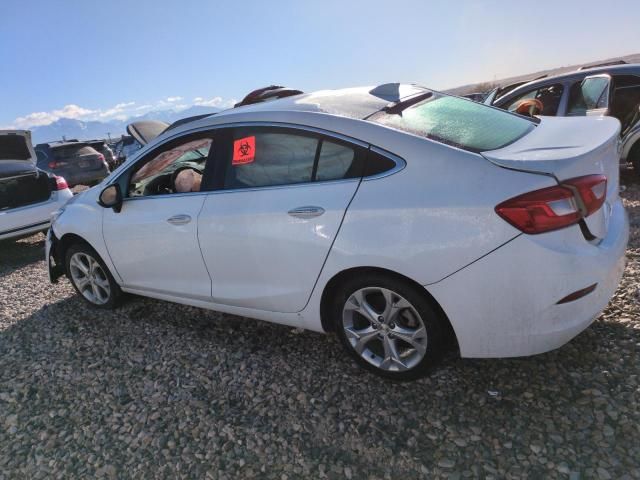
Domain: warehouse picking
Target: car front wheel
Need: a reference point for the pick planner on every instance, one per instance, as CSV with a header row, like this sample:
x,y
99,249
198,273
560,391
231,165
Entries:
x,y
91,278
389,326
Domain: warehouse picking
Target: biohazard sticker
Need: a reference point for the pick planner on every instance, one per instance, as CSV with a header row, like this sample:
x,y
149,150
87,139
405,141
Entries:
x,y
244,151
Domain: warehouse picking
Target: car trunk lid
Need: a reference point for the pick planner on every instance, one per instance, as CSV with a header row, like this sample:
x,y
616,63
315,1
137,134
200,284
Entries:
x,y
21,183
16,151
567,148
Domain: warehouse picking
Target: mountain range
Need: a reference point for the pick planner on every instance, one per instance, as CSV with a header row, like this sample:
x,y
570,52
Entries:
x,y
90,129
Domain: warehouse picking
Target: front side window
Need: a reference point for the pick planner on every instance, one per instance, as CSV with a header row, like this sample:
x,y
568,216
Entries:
x,y
549,96
177,167
271,157
458,122
592,93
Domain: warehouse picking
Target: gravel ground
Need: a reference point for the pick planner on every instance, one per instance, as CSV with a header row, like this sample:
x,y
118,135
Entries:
x,y
161,390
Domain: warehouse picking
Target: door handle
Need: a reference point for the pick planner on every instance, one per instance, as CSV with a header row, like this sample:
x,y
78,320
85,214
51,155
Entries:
x,y
182,219
306,212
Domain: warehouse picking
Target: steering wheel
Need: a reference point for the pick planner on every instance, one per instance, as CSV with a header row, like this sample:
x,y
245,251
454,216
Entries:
x,y
530,107
177,171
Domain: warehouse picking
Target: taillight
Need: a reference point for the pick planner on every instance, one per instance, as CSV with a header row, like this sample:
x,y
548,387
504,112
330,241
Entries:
x,y
61,183
53,164
101,158
555,207
592,189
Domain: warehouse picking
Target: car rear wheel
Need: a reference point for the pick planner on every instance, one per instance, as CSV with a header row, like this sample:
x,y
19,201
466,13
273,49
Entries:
x,y
389,326
91,278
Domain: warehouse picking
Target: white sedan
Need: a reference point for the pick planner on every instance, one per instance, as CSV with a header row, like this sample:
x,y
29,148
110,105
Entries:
x,y
28,195
406,221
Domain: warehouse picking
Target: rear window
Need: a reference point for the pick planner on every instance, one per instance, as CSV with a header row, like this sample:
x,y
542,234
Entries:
x,y
73,151
13,147
458,122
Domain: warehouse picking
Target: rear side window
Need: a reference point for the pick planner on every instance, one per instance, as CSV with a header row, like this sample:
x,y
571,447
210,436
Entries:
x,y
337,161
271,157
458,122
265,159
73,151
378,163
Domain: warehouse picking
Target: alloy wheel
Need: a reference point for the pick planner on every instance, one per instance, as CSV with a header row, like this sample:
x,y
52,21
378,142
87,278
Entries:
x,y
384,328
89,278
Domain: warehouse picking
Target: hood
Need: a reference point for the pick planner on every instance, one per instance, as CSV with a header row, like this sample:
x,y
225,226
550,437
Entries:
x,y
17,156
146,130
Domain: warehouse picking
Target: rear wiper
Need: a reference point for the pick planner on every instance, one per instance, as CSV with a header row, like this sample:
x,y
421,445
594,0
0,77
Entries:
x,y
396,108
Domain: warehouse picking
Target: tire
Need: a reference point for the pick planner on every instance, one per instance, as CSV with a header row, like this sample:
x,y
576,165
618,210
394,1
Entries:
x,y
376,336
100,289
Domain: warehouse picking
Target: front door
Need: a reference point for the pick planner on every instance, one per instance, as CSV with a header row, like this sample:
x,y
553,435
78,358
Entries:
x,y
266,234
153,239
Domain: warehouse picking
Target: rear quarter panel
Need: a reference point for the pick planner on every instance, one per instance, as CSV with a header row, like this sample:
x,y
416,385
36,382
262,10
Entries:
x,y
428,220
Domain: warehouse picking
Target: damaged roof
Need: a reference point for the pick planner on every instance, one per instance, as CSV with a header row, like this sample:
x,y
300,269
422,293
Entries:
x,y
358,102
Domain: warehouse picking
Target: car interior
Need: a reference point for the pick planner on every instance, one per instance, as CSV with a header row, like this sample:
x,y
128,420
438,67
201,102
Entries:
x,y
625,104
177,170
547,101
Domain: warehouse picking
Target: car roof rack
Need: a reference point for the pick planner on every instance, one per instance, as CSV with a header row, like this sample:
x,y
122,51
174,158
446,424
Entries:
x,y
604,64
272,92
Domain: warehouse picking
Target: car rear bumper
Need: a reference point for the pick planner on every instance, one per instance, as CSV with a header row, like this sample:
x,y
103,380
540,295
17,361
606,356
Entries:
x,y
82,177
506,304
30,219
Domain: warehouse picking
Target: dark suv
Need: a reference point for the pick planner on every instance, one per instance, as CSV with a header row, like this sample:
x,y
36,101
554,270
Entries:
x,y
101,147
612,90
77,162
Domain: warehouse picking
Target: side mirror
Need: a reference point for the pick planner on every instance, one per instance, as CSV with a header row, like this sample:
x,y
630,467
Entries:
x,y
111,197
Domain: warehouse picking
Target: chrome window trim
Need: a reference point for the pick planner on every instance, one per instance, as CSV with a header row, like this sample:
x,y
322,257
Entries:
x,y
286,185
249,189
400,162
164,195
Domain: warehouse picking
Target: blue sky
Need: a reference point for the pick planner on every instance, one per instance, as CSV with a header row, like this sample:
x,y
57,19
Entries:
x,y
101,60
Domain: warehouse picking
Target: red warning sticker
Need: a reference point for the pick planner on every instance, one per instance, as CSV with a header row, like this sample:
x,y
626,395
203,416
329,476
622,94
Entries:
x,y
244,151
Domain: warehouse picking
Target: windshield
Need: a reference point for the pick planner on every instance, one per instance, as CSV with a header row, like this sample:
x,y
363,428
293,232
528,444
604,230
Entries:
x,y
458,122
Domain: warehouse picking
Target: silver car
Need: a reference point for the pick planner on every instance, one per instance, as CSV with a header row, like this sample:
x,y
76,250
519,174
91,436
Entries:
x,y
612,90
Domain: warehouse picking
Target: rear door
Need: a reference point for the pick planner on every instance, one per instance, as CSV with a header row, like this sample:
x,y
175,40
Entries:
x,y
266,232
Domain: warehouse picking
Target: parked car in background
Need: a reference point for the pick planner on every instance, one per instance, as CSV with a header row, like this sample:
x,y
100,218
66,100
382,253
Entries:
x,y
28,195
406,221
125,147
101,147
77,162
612,90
